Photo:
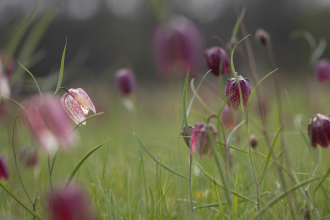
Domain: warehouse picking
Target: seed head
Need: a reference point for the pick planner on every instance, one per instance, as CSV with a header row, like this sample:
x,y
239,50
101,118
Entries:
x,y
262,37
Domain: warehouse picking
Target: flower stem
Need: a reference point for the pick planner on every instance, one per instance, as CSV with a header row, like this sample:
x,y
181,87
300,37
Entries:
x,y
50,176
190,191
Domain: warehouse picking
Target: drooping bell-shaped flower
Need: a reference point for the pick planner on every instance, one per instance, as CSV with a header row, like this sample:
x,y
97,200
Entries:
x,y
184,134
216,57
125,80
48,123
319,129
262,37
200,139
227,118
232,92
322,70
70,204
28,157
77,104
178,46
4,171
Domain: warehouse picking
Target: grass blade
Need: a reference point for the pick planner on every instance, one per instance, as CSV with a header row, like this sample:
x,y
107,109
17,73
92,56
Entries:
x,y
75,169
283,194
231,134
13,101
25,206
60,77
239,20
270,152
184,100
199,98
219,202
324,178
35,81
157,161
92,116
317,166
151,215
112,203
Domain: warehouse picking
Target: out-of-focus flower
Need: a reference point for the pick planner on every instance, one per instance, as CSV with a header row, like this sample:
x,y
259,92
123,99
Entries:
x,y
214,57
4,85
231,44
4,171
200,139
184,134
322,70
227,118
10,66
125,80
28,157
253,141
232,92
48,123
262,37
319,125
77,104
178,46
70,204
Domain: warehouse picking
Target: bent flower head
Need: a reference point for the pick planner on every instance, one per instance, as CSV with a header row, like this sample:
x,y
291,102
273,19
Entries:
x,y
215,58
200,139
4,171
77,104
319,129
232,92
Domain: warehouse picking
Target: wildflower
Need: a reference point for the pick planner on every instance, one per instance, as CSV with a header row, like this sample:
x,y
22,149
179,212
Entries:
x,y
227,118
28,157
216,57
48,123
4,171
319,125
177,46
233,94
4,85
322,70
70,204
77,104
253,141
200,139
262,37
184,134
125,80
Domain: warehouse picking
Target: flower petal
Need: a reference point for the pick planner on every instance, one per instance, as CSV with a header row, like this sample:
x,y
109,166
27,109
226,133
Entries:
x,y
86,102
73,109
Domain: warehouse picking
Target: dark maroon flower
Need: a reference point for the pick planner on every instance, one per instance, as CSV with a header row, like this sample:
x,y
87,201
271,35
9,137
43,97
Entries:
x,y
184,134
125,80
10,66
322,70
262,37
232,92
70,204
214,57
28,157
319,125
200,139
4,171
227,118
177,46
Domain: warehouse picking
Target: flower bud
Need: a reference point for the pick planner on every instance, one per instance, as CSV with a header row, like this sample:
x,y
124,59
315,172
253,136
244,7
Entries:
x,y
70,204
184,134
4,171
177,46
253,141
322,70
216,57
233,94
28,157
125,80
77,104
262,37
319,129
227,118
200,139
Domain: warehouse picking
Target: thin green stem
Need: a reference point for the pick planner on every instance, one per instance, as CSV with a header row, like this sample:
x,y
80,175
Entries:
x,y
190,190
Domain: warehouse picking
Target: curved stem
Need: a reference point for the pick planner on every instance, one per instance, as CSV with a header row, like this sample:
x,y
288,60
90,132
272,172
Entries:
x,y
216,38
64,89
50,175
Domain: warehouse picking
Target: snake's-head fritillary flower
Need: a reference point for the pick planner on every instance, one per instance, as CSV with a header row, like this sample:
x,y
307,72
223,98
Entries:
x,y
200,139
70,204
125,80
10,66
216,57
4,171
227,118
262,37
253,141
77,104
232,92
28,157
48,123
322,70
178,46
184,134
319,129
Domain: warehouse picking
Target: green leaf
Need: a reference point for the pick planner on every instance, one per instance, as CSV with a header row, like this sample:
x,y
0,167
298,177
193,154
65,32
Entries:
x,y
219,202
283,194
35,81
323,179
317,166
238,22
60,77
270,152
231,134
151,215
25,206
232,56
222,186
157,161
75,169
112,203
199,98
308,37
92,116
13,101
185,116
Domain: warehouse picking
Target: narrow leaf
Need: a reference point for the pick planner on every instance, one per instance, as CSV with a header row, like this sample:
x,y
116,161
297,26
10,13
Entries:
x,y
199,98
231,134
13,101
219,202
184,100
152,209
92,116
323,179
238,22
60,77
35,81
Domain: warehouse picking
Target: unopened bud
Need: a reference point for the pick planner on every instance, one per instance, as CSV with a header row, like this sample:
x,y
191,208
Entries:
x,y
253,141
262,37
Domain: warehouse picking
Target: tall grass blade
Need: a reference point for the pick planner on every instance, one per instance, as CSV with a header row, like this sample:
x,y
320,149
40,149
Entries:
x,y
152,209
199,98
184,100
92,116
112,203
231,134
60,77
219,202
317,166
238,22
323,179
14,101
35,81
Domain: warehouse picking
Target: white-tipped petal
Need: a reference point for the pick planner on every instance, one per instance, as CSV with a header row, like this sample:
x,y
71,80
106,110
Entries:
x,y
74,110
